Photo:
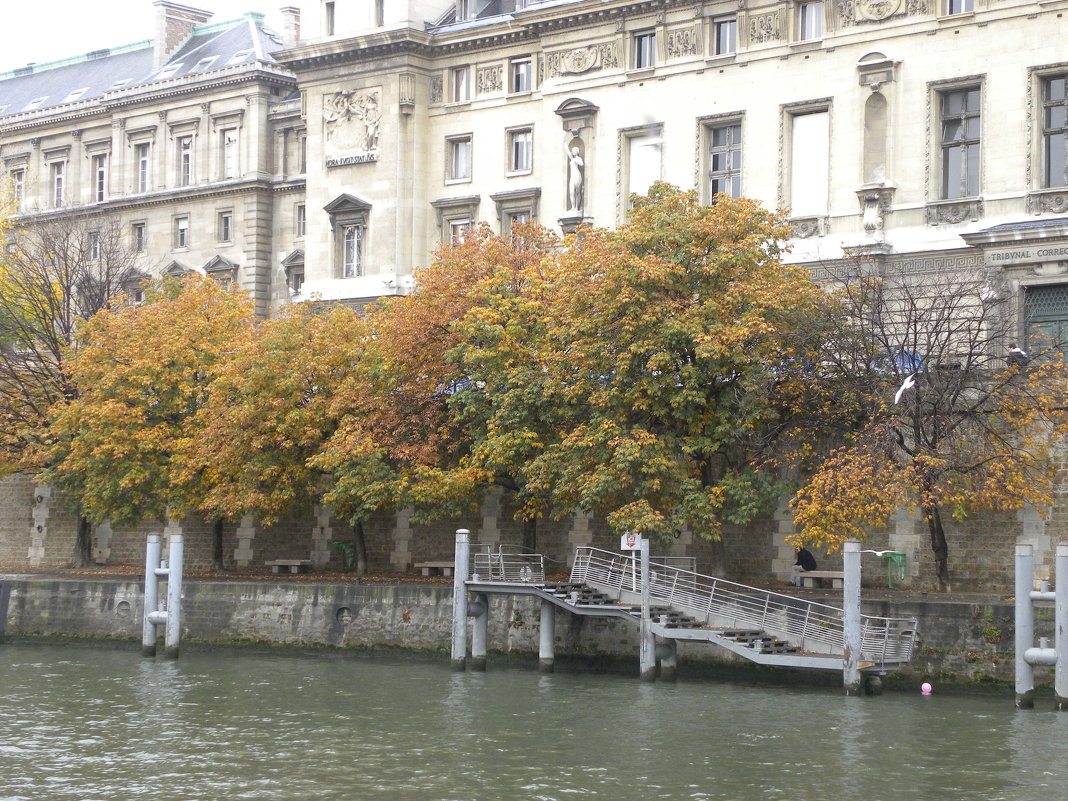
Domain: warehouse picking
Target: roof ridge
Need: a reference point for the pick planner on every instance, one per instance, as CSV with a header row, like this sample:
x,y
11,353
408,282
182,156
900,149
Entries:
x,y
82,58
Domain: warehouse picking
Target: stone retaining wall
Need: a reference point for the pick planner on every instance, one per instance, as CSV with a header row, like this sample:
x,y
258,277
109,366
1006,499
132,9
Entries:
x,y
959,642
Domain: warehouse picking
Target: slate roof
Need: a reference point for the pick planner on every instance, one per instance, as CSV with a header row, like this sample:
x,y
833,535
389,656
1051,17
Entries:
x,y
92,75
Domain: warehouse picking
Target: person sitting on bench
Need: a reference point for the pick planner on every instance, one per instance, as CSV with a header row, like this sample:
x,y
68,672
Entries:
x,y
805,561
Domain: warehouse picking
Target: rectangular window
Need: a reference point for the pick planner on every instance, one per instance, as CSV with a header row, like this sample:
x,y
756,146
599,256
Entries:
x,y
522,75
726,36
100,178
460,159
303,157
522,155
94,245
460,81
809,163
18,187
181,232
960,6
185,160
643,161
809,20
229,153
352,251
302,219
458,230
137,237
644,49
725,160
960,143
58,170
142,154
518,218
226,226
1055,131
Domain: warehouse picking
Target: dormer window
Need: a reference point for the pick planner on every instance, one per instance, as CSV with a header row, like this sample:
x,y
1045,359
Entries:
x,y
168,71
239,56
77,93
204,63
37,102
121,82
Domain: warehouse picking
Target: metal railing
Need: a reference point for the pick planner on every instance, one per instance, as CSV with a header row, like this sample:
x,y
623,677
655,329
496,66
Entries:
x,y
506,563
813,626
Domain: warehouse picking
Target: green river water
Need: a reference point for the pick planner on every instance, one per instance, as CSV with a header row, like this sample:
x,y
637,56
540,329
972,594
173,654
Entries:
x,y
94,724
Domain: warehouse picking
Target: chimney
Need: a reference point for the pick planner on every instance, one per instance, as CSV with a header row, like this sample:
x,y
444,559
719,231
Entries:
x,y
290,25
174,24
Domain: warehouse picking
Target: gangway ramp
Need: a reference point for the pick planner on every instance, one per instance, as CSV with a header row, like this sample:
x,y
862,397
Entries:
x,y
760,625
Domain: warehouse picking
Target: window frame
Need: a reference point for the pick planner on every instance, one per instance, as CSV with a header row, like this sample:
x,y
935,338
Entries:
x,y
1049,131
229,153
453,175
99,166
718,26
57,176
955,7
181,232
730,173
143,165
970,179
521,71
138,236
811,24
643,49
516,165
460,84
184,145
300,220
225,225
18,187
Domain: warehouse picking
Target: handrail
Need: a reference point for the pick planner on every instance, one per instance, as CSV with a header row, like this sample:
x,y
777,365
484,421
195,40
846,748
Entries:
x,y
507,563
814,626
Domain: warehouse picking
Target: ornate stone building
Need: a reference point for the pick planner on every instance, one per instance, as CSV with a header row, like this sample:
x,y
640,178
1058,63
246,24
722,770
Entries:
x,y
917,135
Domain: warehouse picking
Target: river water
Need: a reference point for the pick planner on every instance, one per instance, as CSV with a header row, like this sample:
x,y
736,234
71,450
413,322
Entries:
x,y
94,724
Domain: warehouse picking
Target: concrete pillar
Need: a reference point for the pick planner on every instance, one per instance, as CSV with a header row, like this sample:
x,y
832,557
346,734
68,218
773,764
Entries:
x,y
42,498
668,653
547,637
102,543
322,533
1025,626
459,599
478,611
151,599
851,617
401,556
5,597
175,555
647,644
246,534
1060,643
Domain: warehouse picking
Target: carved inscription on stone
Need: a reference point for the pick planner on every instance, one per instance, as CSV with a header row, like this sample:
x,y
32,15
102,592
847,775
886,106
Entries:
x,y
583,59
764,27
351,120
490,79
682,42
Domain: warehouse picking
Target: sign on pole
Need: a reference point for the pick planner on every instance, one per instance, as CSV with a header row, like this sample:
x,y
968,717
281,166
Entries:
x,y
630,542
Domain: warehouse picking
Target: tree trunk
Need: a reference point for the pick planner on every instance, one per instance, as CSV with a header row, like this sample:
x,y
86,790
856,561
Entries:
x,y
530,534
83,543
938,545
360,543
217,545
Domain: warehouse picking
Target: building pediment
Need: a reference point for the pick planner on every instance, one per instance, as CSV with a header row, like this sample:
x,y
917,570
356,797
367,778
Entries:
x,y
220,264
293,259
346,204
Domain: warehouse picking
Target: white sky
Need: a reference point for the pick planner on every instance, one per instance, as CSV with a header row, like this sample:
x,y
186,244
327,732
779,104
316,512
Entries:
x,y
49,30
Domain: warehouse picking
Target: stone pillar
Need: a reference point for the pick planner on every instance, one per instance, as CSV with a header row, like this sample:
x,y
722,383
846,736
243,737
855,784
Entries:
x,y
783,554
102,543
42,502
401,556
322,534
490,533
579,535
173,528
246,533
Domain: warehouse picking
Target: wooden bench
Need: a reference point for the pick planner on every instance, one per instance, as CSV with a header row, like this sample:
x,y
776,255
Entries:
x,y
435,568
814,578
293,565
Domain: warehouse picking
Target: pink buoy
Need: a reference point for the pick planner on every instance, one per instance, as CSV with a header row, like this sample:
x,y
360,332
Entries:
x,y
926,688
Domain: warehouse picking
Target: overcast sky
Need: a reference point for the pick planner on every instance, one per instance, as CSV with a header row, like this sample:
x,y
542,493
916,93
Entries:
x,y
49,30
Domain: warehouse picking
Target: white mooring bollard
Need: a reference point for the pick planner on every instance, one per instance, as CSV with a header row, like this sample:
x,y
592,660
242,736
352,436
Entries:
x,y
171,617
1027,655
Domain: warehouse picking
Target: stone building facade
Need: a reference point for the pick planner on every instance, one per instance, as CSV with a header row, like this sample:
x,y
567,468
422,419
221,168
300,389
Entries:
x,y
922,136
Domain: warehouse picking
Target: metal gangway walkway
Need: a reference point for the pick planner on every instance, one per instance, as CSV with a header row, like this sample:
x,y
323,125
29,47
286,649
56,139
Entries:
x,y
763,626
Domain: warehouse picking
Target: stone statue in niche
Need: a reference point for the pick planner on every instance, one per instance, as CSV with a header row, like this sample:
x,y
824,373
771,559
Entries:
x,y
352,119
576,173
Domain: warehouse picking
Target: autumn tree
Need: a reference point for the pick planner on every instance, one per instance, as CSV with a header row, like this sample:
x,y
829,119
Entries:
x,y
140,374
273,405
56,272
942,420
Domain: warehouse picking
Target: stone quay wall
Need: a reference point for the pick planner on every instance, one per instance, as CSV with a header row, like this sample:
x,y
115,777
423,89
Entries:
x,y
37,529
959,642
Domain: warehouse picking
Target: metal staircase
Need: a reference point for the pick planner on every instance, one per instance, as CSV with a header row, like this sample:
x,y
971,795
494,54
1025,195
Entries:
x,y
760,625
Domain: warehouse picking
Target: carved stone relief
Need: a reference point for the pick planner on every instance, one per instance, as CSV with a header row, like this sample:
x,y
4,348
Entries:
x,y
874,206
436,89
583,59
351,120
1047,202
682,42
808,227
765,28
858,12
490,79
954,212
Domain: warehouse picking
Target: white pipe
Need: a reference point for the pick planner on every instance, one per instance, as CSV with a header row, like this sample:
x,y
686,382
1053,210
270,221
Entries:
x,y
1025,626
175,554
151,597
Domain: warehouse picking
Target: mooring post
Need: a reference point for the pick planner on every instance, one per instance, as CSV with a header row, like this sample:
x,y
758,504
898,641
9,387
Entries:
x,y
547,637
851,617
1025,626
151,598
1060,642
175,554
459,599
647,646
478,611
5,595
